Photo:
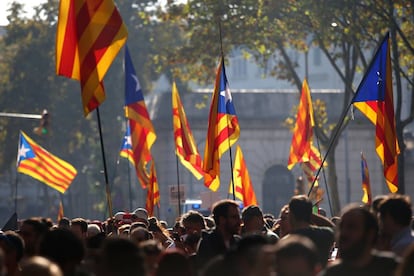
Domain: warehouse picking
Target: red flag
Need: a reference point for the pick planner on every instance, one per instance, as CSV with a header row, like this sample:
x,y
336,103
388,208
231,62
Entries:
x,y
366,186
89,36
223,129
153,193
374,98
185,145
243,186
300,147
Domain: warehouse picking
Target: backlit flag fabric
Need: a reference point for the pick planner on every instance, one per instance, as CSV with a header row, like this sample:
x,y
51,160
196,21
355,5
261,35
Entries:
x,y
126,148
89,35
243,187
311,166
60,212
153,193
185,145
223,129
35,161
374,98
300,147
142,131
366,186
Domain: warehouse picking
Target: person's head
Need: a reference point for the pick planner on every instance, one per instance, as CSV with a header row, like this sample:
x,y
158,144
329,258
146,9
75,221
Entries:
x,y
93,229
64,223
31,231
252,217
284,224
226,216
296,255
40,266
376,202
173,262
140,215
395,213
79,227
151,249
63,247
358,232
300,210
13,247
120,257
140,234
193,222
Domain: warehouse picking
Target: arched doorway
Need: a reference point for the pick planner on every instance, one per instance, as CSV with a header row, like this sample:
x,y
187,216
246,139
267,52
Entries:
x,y
278,188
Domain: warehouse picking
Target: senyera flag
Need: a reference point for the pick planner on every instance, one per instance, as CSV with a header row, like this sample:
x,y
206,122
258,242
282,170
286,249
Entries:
x,y
374,98
142,132
153,193
243,187
300,148
366,186
185,145
35,161
223,129
89,35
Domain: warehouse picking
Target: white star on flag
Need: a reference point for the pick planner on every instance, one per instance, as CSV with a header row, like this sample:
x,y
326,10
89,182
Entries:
x,y
22,152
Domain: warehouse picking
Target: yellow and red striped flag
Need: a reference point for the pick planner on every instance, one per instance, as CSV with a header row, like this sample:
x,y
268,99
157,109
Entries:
x,y
366,186
153,193
312,165
300,147
223,129
243,187
142,132
374,98
60,214
185,145
35,161
89,35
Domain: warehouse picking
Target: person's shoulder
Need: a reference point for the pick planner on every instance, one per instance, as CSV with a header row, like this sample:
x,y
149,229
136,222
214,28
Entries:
x,y
385,258
335,268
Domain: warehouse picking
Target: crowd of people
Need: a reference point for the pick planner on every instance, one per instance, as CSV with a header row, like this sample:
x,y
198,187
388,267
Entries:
x,y
375,239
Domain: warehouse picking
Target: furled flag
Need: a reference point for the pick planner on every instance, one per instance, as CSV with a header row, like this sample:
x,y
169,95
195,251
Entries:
x,y
89,35
141,129
311,166
300,147
243,187
153,193
126,148
223,129
374,98
366,186
60,214
185,145
38,163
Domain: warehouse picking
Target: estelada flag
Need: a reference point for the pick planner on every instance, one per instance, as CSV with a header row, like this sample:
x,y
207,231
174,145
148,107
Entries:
x,y
223,129
142,132
35,161
374,98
